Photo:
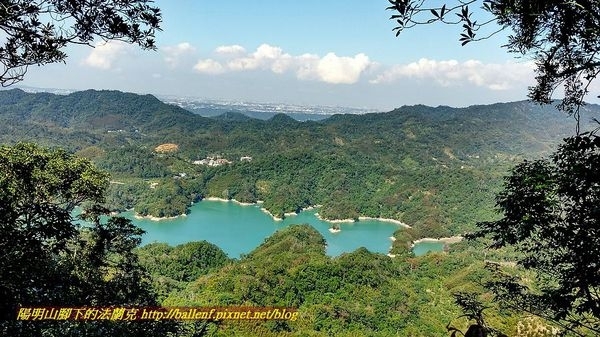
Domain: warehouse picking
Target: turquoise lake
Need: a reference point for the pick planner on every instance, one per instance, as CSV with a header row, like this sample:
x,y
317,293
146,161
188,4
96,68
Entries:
x,y
425,247
239,229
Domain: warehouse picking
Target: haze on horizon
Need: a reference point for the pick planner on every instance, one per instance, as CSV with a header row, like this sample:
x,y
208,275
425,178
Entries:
x,y
310,53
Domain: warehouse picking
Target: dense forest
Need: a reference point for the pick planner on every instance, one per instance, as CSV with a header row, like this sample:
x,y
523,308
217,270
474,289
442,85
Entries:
x,y
524,199
436,169
358,293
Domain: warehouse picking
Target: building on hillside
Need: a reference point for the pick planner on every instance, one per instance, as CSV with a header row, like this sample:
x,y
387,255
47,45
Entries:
x,y
212,161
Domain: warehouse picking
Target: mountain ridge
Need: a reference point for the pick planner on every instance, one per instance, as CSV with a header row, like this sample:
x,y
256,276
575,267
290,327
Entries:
x,y
436,169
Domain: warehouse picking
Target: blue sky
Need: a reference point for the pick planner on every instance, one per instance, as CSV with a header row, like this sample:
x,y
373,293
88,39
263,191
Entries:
x,y
314,52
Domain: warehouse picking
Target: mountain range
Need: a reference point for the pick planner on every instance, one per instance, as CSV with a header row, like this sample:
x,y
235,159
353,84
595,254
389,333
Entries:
x,y
436,168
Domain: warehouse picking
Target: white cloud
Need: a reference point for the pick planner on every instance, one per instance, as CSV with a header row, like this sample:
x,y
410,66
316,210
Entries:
x,y
493,76
174,53
307,68
330,69
265,57
346,70
209,66
233,50
104,54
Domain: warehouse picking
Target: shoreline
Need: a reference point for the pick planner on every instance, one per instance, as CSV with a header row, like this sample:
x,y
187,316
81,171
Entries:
x,y
362,218
448,240
310,208
397,222
334,221
156,218
228,200
258,202
276,218
333,229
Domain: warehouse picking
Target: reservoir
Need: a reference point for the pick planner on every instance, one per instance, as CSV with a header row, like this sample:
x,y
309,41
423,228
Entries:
x,y
239,229
425,247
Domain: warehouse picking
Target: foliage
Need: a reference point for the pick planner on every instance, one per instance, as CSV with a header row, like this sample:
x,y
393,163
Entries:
x,y
436,169
135,162
172,268
358,293
563,37
551,216
473,311
550,207
38,31
39,188
47,260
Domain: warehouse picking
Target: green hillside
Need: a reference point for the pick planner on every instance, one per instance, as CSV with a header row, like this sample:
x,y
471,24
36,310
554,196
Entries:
x,y
355,294
436,169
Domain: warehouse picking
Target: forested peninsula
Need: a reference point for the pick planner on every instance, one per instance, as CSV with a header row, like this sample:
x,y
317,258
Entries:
x,y
436,169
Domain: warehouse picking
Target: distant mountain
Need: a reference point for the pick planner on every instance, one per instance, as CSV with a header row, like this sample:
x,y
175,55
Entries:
x,y
264,111
282,119
434,168
88,116
517,127
91,109
232,116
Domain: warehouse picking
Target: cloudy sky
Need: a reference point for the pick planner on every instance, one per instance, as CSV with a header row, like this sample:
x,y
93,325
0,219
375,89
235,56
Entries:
x,y
314,52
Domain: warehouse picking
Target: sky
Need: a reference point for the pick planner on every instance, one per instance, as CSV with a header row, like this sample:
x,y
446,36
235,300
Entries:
x,y
310,52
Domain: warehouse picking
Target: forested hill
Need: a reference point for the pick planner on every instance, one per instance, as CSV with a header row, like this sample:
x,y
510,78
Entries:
x,y
88,112
434,168
97,112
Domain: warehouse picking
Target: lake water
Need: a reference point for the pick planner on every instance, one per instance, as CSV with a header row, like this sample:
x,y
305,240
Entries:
x,y
238,229
425,247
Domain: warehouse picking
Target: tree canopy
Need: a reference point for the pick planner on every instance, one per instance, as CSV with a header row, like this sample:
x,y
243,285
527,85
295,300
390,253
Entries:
x,y
562,37
49,260
552,216
549,206
35,32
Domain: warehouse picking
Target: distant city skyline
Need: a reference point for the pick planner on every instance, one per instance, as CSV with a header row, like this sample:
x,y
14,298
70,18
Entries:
x,y
303,52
